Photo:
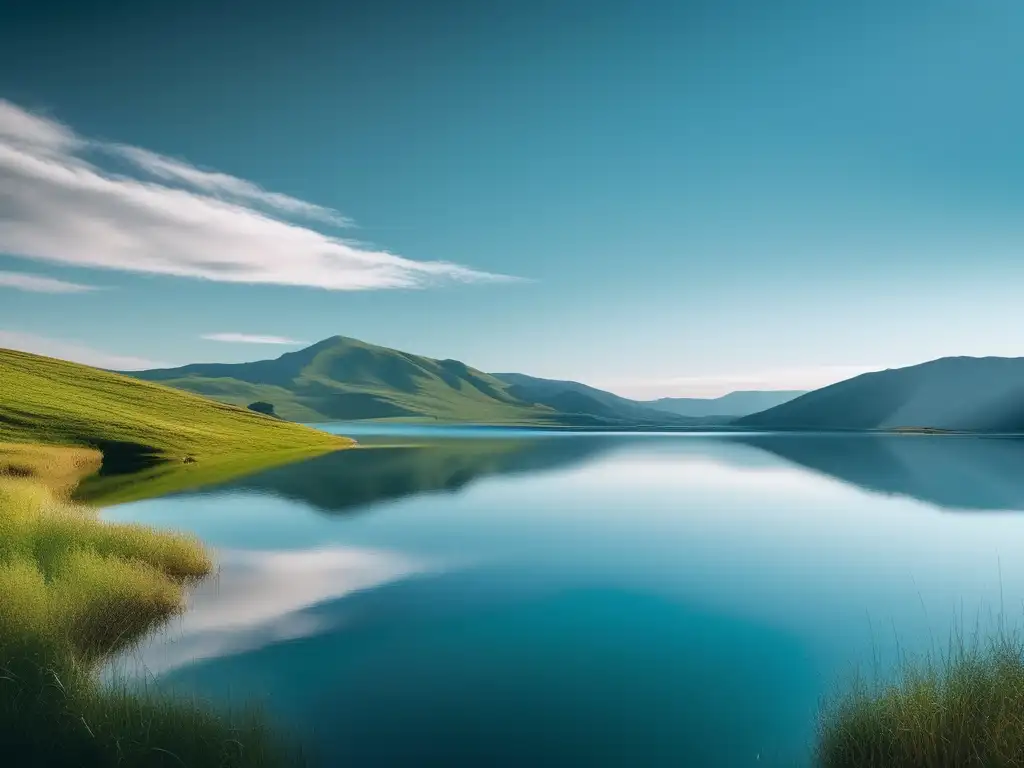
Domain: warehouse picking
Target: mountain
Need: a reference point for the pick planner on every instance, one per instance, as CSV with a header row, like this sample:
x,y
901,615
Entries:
x,y
134,423
954,393
573,397
342,379
742,403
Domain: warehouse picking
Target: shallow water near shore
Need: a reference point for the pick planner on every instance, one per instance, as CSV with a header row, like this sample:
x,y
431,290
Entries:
x,y
496,597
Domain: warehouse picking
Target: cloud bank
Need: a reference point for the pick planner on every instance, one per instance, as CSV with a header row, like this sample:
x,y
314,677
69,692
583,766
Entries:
x,y
166,217
249,338
75,352
37,284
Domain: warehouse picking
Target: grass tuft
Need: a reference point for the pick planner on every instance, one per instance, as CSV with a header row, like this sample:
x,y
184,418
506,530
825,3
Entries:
x,y
959,709
73,591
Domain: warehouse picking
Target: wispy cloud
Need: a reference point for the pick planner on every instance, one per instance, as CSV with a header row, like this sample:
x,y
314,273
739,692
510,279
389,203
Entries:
x,y
722,384
224,184
249,338
169,218
74,351
36,284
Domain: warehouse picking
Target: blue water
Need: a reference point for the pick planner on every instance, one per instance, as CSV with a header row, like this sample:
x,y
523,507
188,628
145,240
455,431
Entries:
x,y
603,600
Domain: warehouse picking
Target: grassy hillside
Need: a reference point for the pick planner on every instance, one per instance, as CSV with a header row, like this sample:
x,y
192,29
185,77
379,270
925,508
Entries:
x,y
344,379
740,403
969,394
133,423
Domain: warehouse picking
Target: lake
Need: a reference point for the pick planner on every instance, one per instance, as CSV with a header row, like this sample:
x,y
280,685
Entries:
x,y
493,597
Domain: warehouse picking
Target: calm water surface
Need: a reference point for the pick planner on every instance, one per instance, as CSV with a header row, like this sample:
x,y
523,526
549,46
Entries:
x,y
497,598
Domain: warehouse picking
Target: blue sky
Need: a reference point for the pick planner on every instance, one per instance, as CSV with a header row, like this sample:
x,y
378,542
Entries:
x,y
691,197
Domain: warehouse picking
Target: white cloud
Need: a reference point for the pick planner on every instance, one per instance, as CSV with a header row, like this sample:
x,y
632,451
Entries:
x,y
75,352
723,384
57,207
221,183
41,134
249,338
36,284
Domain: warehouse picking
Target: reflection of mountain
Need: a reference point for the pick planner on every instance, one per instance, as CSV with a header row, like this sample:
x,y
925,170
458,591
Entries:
x,y
348,480
950,472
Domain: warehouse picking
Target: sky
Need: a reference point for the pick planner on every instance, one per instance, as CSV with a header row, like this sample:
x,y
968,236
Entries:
x,y
661,198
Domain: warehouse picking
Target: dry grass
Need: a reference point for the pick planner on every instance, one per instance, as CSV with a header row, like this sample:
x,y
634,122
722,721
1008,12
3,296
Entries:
x,y
59,468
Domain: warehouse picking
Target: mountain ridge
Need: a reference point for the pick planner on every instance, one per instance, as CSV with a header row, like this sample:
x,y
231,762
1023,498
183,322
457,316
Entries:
x,y
969,394
741,402
341,378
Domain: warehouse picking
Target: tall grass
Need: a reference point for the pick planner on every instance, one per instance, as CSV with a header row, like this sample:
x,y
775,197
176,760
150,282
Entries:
x,y
73,591
59,468
957,709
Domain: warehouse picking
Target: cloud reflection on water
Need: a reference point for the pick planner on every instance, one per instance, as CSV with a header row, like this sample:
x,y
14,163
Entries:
x,y
258,598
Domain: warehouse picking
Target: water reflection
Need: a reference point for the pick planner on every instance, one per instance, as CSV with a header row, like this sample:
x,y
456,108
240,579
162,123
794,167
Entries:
x,y
259,598
436,672
350,481
957,473
585,599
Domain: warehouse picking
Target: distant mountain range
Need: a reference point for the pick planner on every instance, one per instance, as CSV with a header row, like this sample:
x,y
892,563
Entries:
x,y
969,394
573,397
341,379
734,404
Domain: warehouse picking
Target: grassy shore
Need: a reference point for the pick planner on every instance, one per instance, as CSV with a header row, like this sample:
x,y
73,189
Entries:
x,y
961,709
73,591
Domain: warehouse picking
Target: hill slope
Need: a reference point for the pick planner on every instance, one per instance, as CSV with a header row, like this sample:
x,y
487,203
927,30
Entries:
x,y
54,402
954,393
742,403
573,397
346,379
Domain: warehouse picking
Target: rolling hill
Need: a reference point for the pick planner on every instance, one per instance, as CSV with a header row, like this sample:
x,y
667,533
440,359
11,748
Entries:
x,y
741,403
342,379
954,393
134,424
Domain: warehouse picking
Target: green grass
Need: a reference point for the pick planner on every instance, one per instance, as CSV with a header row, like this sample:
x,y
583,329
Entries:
x,y
73,591
961,709
134,423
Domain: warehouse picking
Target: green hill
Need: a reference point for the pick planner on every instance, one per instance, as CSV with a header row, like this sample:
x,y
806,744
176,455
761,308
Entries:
x,y
134,423
342,379
970,394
